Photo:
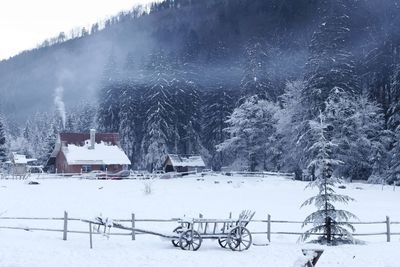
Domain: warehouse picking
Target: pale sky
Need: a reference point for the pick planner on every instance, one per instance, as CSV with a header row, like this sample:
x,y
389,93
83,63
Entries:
x,y
26,23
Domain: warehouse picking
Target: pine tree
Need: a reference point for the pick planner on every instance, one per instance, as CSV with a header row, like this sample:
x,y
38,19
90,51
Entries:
x,y
81,118
160,113
330,64
372,140
218,104
109,107
251,127
3,143
130,123
186,102
255,80
359,135
394,109
332,223
330,69
111,87
393,174
48,145
290,128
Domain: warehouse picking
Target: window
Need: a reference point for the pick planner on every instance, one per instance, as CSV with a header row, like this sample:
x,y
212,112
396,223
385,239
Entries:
x,y
86,168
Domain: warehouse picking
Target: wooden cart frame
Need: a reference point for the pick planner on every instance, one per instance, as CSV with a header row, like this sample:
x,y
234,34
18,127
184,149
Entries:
x,y
189,235
230,233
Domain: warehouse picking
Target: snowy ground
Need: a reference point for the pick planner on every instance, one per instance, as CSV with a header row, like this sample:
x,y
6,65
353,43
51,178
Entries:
x,y
215,197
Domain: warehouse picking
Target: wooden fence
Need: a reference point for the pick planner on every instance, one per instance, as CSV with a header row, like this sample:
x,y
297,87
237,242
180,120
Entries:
x,y
268,224
141,175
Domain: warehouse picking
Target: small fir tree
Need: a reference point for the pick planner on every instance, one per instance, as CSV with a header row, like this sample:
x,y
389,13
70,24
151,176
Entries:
x,y
331,223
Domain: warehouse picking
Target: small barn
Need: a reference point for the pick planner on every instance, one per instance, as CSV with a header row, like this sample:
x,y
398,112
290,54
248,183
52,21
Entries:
x,y
86,152
183,163
19,165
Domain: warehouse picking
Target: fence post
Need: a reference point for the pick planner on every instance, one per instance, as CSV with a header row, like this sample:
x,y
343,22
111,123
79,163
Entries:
x,y
387,229
133,227
65,225
200,229
90,235
269,228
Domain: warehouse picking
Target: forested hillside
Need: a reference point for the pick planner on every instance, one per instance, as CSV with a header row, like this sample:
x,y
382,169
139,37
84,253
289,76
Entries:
x,y
241,82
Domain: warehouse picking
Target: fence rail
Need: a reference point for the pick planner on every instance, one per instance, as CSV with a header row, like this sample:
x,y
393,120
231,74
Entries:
x,y
269,223
139,175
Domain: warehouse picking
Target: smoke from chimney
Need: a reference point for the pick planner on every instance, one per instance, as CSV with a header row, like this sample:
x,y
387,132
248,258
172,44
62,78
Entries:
x,y
58,101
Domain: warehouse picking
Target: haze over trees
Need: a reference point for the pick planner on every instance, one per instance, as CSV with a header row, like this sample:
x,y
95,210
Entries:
x,y
193,77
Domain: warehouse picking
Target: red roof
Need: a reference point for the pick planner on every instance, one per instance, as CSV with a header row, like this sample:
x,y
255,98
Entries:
x,y
79,139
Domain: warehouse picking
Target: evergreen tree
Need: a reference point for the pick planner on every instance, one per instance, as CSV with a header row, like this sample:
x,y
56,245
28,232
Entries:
x,y
48,144
251,127
130,123
330,70
290,128
332,223
186,102
218,104
160,113
330,65
3,143
394,124
111,87
394,109
394,164
359,134
81,118
255,80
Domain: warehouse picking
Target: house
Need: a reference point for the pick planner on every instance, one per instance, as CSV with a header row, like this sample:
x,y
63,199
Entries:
x,y
183,163
19,165
85,152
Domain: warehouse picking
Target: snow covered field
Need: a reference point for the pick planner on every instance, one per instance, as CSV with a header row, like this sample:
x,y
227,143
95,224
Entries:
x,y
214,197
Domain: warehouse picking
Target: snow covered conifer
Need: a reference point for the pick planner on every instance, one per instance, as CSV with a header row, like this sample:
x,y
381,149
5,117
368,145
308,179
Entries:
x,y
160,112
251,127
394,124
329,221
218,105
330,63
255,80
109,96
3,145
130,128
48,144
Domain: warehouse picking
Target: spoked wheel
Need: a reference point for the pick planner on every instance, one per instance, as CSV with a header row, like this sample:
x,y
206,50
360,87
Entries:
x,y
178,230
223,242
239,239
190,240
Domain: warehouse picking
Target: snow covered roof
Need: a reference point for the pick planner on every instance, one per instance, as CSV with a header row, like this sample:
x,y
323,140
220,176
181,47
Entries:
x,y
80,138
186,161
102,154
20,159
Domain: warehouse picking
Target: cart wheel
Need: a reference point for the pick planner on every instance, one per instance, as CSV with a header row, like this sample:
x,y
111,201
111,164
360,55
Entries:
x,y
179,231
190,240
239,239
223,242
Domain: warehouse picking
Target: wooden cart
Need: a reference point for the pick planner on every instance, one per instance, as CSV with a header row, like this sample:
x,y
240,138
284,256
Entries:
x,y
230,233
189,235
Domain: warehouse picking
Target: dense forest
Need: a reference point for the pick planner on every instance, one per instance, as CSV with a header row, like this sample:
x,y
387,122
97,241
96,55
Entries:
x,y
243,83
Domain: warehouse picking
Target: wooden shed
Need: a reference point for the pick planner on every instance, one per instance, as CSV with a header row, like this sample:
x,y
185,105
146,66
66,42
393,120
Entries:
x,y
183,163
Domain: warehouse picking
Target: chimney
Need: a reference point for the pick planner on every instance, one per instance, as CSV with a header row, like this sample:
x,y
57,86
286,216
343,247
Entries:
x,y
92,138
